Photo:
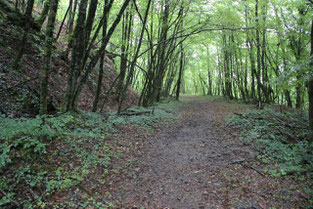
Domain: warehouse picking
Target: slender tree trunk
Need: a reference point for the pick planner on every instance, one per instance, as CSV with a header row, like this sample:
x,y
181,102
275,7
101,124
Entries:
x,y
76,61
44,14
133,63
180,74
258,72
70,23
126,36
28,14
106,13
310,87
64,18
94,60
282,44
246,76
44,74
90,19
249,43
265,84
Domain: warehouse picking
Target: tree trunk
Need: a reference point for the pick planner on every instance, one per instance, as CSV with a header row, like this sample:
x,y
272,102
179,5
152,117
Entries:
x,y
106,12
28,14
44,14
265,87
64,18
76,60
90,19
180,74
258,72
44,74
94,60
70,23
310,87
134,61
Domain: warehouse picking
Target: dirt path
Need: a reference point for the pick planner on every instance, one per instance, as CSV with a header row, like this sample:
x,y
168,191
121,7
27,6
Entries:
x,y
197,163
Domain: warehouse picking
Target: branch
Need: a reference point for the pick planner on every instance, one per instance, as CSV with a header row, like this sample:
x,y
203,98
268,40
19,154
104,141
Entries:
x,y
16,85
12,201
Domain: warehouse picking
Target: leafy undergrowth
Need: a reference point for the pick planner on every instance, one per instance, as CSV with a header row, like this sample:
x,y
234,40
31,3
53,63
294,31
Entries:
x,y
282,141
44,159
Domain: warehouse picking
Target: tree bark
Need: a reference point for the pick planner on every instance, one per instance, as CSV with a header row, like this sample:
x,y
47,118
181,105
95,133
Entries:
x,y
133,63
44,74
76,61
106,13
180,74
28,14
258,72
94,60
44,14
63,21
310,87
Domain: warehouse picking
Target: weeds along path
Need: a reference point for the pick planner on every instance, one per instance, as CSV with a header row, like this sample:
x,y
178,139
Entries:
x,y
195,163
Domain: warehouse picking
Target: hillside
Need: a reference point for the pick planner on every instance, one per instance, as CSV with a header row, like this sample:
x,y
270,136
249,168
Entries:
x,y
20,89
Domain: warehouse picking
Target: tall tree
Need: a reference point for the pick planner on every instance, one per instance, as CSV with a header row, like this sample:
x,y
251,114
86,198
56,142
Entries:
x,y
258,46
310,86
28,15
78,52
44,73
106,11
79,72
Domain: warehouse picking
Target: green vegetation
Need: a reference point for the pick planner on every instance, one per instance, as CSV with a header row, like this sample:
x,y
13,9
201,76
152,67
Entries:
x,y
77,58
282,141
46,155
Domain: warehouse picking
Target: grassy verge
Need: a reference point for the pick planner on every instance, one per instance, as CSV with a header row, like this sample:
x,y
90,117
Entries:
x,y
45,156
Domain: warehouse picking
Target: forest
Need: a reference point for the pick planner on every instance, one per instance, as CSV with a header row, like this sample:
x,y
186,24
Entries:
x,y
98,98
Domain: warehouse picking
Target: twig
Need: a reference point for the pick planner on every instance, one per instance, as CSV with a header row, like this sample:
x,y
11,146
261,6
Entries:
x,y
246,166
16,85
241,162
84,189
135,113
12,201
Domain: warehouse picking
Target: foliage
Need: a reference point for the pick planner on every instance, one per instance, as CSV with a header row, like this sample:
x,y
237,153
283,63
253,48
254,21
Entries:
x,y
282,142
281,138
50,154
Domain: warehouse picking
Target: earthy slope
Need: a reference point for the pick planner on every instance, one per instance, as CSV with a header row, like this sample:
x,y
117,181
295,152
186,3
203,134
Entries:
x,y
20,89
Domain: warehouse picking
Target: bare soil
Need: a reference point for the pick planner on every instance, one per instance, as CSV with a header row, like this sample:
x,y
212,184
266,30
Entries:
x,y
197,162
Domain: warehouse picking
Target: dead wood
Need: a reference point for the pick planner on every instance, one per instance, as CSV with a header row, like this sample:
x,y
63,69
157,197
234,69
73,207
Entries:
x,y
136,113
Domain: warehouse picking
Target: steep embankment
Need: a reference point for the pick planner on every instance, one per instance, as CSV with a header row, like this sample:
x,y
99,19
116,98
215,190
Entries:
x,y
20,89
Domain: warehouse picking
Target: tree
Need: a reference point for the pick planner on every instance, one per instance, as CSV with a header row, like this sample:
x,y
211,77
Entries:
x,y
80,70
49,40
310,86
28,15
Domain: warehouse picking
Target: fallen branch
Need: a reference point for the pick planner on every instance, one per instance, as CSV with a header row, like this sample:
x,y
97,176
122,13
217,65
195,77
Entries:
x,y
241,162
247,166
81,187
19,84
136,113
12,201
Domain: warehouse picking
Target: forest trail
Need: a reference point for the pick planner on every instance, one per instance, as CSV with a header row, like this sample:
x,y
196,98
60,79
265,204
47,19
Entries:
x,y
197,163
